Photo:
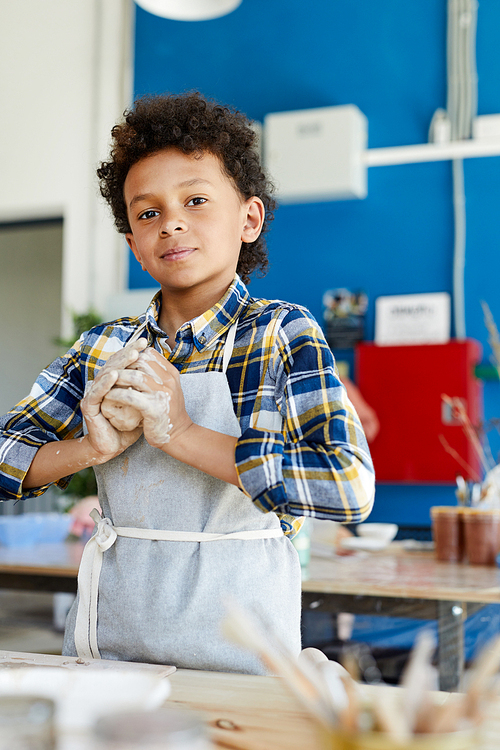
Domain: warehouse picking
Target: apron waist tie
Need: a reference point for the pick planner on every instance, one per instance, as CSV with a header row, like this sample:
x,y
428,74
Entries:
x,y
91,563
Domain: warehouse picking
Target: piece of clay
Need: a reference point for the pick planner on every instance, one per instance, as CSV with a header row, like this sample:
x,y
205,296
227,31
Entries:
x,y
122,417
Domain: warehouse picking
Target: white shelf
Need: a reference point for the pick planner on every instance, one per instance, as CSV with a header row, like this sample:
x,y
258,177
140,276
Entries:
x,y
379,157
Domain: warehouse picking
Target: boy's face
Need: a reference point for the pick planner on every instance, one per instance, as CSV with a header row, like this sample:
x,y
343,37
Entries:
x,y
188,222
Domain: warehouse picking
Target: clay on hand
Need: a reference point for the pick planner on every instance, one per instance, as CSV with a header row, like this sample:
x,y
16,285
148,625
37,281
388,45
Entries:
x,y
123,417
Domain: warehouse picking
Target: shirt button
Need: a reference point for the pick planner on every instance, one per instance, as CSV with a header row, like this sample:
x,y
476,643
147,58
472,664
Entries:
x,y
203,338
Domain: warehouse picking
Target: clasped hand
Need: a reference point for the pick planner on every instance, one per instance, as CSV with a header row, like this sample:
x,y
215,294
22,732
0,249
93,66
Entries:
x,y
139,378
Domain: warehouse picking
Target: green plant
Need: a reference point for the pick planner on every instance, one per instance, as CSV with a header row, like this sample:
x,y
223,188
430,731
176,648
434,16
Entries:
x,y
82,484
81,322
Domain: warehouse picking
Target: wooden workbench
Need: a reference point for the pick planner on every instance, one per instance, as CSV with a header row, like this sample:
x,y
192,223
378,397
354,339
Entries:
x,y
401,583
396,583
245,712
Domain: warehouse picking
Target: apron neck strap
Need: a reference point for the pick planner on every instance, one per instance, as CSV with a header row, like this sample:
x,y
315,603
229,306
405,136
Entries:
x,y
137,334
228,346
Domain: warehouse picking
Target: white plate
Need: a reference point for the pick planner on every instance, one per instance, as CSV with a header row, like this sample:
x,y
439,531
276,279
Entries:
x,y
369,544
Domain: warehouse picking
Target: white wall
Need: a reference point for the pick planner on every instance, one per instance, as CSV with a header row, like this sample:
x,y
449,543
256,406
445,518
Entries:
x,y
66,78
30,306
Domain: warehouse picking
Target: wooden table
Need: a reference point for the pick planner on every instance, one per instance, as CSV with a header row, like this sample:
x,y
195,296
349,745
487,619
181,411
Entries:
x,y
395,583
244,712
41,567
400,583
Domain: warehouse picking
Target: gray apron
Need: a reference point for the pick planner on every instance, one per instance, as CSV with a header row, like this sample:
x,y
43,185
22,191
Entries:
x,y
173,545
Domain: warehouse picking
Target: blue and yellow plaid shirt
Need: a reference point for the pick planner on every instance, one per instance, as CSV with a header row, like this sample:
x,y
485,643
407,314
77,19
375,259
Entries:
x,y
302,451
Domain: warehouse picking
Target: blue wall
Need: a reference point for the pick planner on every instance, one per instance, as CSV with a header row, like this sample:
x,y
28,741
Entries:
x,y
389,59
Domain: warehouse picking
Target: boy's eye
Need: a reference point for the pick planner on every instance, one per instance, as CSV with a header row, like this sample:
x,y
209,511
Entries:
x,y
148,214
198,201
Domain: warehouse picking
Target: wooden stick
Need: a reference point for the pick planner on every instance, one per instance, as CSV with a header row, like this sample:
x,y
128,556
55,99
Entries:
x,y
458,458
457,407
243,628
417,680
467,706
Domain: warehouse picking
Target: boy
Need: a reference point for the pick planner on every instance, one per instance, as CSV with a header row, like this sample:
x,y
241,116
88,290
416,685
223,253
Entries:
x,y
236,424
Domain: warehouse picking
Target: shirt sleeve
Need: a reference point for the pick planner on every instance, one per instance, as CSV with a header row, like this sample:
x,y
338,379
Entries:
x,y
319,465
51,412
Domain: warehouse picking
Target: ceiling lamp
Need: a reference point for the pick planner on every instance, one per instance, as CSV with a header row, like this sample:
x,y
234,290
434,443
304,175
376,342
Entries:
x,y
189,10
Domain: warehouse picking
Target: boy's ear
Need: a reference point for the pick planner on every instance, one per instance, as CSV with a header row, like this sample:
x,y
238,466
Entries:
x,y
254,219
131,243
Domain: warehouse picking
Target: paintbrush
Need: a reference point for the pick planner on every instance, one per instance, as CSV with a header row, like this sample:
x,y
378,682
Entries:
x,y
243,627
467,706
418,679
329,676
389,717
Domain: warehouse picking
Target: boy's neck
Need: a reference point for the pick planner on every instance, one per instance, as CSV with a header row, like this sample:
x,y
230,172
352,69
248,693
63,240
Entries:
x,y
179,306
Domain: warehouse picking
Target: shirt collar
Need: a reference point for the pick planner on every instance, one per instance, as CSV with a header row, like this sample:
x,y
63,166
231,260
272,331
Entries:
x,y
152,315
212,324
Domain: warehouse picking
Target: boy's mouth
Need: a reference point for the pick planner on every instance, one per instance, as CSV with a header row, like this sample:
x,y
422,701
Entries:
x,y
177,253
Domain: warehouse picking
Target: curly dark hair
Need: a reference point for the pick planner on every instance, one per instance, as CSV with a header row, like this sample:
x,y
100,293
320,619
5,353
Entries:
x,y
193,124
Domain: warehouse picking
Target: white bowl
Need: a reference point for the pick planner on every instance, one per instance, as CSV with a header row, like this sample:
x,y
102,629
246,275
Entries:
x,y
382,531
83,697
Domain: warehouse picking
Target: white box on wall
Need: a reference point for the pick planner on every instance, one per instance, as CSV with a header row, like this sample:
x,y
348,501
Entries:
x,y
413,319
486,127
317,154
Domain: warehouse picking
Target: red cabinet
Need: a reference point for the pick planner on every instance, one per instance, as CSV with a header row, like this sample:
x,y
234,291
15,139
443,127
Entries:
x,y
404,385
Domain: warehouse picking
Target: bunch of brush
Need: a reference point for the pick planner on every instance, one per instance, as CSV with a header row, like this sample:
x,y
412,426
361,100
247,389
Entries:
x,y
351,715
483,488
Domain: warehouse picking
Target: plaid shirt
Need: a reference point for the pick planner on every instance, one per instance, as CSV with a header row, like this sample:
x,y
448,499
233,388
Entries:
x,y
302,451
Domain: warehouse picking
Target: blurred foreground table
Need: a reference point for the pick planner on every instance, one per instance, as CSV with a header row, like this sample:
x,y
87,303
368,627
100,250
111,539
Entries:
x,y
402,583
245,712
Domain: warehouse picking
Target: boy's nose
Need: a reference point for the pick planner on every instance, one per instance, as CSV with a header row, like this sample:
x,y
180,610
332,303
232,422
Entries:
x,y
172,226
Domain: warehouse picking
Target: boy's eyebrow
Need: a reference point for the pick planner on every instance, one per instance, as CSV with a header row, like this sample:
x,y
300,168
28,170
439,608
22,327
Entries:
x,y
195,181
186,183
139,198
